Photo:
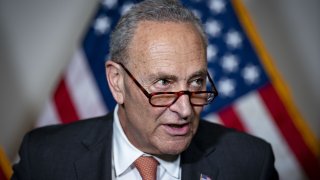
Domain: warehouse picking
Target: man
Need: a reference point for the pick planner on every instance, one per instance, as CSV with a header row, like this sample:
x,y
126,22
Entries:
x,y
157,75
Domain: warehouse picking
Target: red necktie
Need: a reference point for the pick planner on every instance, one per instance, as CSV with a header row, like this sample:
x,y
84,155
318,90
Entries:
x,y
147,167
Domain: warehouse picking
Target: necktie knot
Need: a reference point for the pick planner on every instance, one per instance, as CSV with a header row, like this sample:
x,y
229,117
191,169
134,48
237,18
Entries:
x,y
147,167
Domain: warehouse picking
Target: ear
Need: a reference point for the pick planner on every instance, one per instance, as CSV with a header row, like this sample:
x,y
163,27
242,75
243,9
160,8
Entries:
x,y
115,80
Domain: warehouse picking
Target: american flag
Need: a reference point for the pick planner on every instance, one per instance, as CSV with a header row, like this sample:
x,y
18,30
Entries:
x,y
204,177
252,96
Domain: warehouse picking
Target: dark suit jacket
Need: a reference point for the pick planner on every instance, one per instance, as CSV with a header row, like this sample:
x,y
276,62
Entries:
x,y
82,151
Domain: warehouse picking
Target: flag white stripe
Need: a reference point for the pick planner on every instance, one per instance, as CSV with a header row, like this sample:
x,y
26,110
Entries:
x,y
258,121
83,88
48,116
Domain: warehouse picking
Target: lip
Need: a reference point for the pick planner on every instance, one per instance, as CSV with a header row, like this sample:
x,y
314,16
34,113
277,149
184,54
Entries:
x,y
177,129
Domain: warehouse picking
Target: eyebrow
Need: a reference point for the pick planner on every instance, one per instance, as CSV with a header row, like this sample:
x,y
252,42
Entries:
x,y
163,75
202,72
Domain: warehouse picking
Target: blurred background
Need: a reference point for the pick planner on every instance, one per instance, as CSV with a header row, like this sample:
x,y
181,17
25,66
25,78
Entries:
x,y
38,39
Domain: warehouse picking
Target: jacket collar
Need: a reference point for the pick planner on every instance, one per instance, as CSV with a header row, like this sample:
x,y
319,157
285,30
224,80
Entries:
x,y
195,160
96,160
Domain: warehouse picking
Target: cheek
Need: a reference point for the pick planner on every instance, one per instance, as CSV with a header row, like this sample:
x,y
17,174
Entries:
x,y
152,115
141,112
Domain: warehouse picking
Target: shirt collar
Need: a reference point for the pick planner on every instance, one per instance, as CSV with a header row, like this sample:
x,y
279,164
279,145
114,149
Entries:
x,y
172,167
121,146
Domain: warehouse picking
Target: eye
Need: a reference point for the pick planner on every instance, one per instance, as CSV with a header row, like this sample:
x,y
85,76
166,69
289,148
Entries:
x,y
162,83
197,84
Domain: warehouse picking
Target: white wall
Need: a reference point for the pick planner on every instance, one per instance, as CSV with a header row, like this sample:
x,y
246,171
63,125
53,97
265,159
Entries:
x,y
38,37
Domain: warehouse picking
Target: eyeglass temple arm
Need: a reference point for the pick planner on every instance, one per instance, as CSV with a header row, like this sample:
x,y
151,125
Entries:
x,y
135,81
213,86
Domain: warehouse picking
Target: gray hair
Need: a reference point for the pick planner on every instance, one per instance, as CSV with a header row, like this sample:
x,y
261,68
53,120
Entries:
x,y
149,10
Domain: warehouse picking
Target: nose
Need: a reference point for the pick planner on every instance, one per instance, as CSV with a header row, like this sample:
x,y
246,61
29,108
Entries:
x,y
182,106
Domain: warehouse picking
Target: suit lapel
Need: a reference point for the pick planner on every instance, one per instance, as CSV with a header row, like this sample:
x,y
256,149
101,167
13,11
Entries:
x,y
194,162
95,164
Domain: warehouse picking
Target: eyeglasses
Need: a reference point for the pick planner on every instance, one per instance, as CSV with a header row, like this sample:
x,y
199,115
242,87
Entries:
x,y
166,99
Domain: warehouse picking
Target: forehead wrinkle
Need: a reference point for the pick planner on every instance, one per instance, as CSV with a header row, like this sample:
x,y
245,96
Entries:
x,y
146,46
165,49
161,53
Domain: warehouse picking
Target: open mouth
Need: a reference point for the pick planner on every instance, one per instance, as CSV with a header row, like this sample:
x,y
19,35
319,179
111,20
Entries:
x,y
177,129
176,125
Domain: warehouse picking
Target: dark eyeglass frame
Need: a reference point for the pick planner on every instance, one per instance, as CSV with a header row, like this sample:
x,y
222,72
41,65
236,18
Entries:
x,y
177,94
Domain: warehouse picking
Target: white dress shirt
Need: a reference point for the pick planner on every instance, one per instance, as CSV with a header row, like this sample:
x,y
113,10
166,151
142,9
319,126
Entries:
x,y
124,154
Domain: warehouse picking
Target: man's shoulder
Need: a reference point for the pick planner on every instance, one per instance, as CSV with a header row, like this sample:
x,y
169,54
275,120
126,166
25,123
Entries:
x,y
56,148
236,155
70,132
212,134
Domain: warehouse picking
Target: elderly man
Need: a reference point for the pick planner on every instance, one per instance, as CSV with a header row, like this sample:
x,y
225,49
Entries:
x,y
158,76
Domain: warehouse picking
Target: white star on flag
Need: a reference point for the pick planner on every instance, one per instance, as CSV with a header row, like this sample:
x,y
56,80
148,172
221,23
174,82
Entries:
x,y
250,74
125,8
197,13
211,52
217,6
213,28
109,3
102,24
230,63
226,87
233,39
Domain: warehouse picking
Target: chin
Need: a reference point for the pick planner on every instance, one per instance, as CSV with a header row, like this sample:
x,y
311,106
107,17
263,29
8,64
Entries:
x,y
174,148
173,152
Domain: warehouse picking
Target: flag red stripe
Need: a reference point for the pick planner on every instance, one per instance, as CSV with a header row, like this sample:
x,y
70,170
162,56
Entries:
x,y
306,158
63,104
230,118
